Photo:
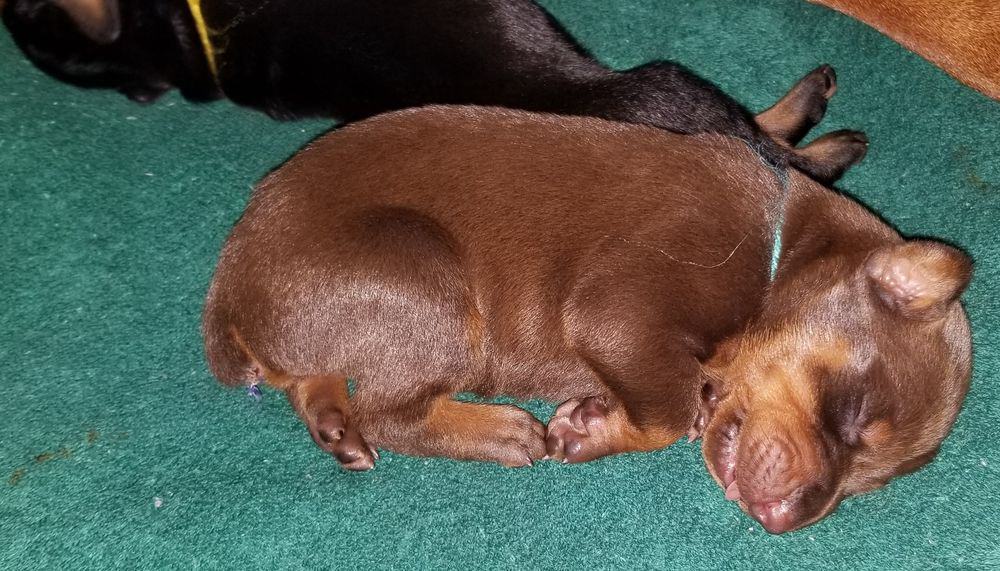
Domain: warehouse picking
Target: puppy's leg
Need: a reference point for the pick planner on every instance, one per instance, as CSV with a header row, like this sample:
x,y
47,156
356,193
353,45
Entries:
x,y
802,108
651,402
504,434
647,411
324,405
662,94
668,96
828,157
652,383
589,428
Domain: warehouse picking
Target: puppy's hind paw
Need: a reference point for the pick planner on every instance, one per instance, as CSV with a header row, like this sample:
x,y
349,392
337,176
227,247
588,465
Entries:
x,y
334,434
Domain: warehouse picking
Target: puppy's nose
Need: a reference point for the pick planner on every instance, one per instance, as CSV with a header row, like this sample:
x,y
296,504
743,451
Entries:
x,y
769,478
775,515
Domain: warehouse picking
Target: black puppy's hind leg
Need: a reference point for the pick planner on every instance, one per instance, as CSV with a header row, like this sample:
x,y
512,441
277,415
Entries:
x,y
801,109
827,158
667,95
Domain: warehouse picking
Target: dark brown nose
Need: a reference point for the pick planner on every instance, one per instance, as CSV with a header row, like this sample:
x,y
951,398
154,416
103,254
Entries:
x,y
775,516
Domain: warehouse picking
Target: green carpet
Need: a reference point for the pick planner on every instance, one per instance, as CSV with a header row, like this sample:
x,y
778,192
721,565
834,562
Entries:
x,y
118,448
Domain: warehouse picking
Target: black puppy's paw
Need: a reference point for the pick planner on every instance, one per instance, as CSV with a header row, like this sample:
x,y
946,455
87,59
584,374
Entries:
x,y
143,94
802,108
828,157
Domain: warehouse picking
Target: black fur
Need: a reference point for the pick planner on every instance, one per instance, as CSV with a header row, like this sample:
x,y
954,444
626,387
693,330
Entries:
x,y
350,59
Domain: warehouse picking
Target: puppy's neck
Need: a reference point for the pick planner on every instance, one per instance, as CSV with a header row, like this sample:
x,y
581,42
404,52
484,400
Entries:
x,y
818,222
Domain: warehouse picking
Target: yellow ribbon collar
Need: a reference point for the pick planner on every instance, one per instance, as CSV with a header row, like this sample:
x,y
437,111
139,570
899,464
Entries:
x,y
203,35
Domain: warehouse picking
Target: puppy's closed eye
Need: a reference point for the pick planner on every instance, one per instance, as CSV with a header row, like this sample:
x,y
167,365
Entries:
x,y
847,416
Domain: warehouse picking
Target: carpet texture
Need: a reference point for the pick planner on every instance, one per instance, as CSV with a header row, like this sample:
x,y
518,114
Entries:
x,y
118,448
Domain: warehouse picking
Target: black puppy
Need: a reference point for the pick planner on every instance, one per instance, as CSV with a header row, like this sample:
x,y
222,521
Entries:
x,y
350,59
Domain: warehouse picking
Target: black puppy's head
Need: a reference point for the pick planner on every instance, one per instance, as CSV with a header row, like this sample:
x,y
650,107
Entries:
x,y
91,43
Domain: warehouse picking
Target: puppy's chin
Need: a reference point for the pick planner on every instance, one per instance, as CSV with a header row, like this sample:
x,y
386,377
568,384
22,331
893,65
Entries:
x,y
768,474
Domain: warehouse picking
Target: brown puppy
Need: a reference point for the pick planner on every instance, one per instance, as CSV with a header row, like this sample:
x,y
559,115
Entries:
x,y
960,36
620,269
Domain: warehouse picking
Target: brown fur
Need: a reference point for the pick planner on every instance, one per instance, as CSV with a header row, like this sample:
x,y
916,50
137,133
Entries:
x,y
960,36
620,269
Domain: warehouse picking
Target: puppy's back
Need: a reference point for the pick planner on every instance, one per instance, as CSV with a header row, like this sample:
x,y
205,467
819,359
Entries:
x,y
478,208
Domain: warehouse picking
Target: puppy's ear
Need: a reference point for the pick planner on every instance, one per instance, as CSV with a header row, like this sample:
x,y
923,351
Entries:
x,y
99,20
920,279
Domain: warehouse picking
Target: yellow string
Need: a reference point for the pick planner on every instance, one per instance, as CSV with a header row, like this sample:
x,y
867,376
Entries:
x,y
206,42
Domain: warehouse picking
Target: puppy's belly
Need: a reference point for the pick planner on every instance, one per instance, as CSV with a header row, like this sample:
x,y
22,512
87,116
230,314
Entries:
x,y
526,375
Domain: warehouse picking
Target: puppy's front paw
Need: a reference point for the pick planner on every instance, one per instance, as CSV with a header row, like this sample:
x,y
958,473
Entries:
x,y
517,439
578,430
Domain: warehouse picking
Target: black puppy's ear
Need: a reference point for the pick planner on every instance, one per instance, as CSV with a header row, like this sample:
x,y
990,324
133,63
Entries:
x,y
919,279
99,20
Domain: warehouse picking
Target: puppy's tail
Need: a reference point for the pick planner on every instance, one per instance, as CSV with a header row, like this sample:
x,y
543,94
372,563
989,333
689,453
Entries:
x,y
228,357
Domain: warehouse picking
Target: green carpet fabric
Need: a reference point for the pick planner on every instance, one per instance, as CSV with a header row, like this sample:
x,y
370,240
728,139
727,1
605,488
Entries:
x,y
118,448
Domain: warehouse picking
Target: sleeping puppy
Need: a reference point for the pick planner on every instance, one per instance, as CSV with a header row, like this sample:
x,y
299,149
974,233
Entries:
x,y
655,284
351,59
963,37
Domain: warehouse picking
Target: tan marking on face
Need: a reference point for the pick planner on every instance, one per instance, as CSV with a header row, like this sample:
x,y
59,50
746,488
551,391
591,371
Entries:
x,y
785,387
793,361
98,19
785,365
788,397
782,398
832,355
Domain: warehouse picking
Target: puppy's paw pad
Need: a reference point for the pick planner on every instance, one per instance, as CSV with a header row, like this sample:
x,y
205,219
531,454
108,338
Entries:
x,y
575,430
333,433
826,77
